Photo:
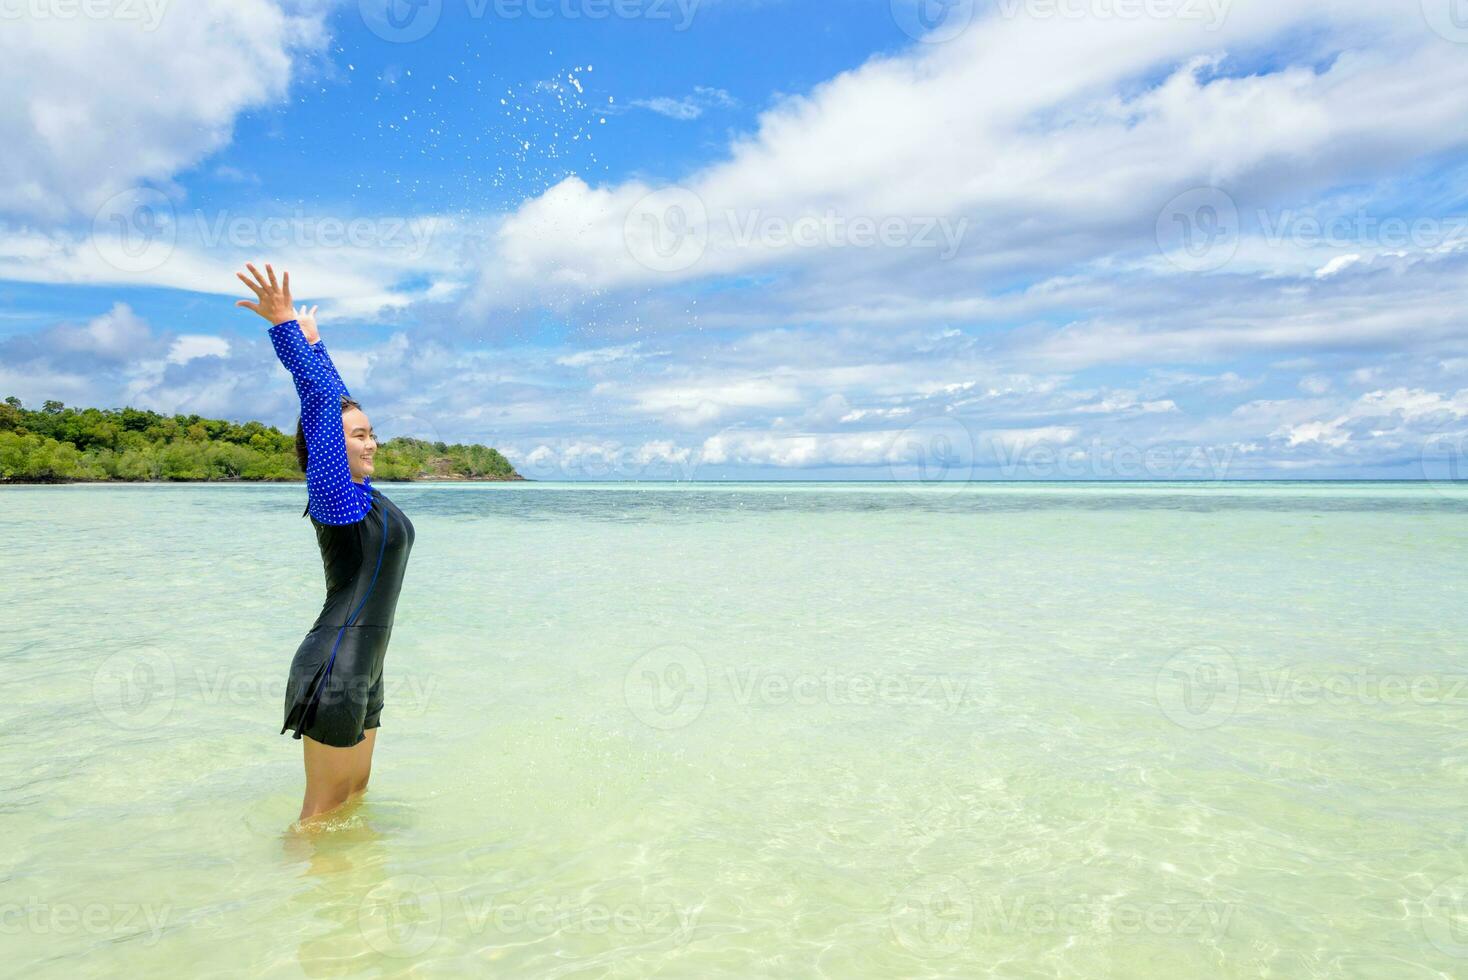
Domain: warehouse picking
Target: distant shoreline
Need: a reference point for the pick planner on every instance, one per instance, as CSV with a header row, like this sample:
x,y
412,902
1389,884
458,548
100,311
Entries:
x,y
57,445
57,481
516,478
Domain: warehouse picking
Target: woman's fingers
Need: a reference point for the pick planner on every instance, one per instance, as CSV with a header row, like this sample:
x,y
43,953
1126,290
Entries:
x,y
271,273
248,305
285,286
253,288
258,278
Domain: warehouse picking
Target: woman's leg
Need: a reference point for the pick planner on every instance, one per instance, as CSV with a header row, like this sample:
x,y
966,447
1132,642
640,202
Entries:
x,y
334,774
364,759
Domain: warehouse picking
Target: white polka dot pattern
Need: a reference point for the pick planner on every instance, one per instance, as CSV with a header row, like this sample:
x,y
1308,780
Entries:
x,y
332,496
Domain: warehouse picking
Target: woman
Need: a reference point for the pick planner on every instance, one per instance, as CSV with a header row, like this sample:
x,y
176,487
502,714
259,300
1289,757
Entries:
x,y
334,696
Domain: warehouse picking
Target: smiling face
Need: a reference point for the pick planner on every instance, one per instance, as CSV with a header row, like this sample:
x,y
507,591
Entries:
x,y
361,443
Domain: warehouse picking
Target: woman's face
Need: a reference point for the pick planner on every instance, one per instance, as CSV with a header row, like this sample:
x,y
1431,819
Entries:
x,y
361,443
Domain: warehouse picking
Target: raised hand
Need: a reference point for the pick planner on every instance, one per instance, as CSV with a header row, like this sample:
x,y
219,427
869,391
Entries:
x,y
306,317
273,299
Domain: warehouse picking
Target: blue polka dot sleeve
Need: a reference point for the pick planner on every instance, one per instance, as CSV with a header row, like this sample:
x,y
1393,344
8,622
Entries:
x,y
332,497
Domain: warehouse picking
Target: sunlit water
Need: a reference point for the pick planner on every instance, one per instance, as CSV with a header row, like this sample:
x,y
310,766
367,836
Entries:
x,y
752,730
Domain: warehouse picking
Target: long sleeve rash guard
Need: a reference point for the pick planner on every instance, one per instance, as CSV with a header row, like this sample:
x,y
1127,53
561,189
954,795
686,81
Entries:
x,y
332,496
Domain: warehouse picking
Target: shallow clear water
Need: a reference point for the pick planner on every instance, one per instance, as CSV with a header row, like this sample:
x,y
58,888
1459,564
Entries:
x,y
752,730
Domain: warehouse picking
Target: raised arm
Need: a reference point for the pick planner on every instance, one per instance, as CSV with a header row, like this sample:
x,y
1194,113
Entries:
x,y
306,316
332,498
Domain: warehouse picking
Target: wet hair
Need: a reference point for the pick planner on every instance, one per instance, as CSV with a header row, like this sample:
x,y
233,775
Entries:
x,y
301,455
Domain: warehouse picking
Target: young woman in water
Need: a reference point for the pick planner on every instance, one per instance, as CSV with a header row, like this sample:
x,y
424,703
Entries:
x,y
334,696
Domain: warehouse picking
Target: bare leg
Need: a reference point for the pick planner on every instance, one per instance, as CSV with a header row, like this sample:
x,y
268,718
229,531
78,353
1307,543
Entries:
x,y
334,774
364,759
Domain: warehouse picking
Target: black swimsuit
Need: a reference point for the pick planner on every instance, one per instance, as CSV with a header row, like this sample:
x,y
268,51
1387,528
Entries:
x,y
335,699
335,689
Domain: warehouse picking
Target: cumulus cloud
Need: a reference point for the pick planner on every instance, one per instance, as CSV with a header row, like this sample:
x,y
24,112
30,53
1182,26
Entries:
x,y
92,363
908,136
1023,294
95,105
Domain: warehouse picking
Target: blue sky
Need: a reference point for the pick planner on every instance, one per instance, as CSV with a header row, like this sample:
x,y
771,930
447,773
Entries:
x,y
766,239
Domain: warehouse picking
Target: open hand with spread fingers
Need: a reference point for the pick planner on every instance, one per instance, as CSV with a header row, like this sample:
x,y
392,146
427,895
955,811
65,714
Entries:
x,y
273,300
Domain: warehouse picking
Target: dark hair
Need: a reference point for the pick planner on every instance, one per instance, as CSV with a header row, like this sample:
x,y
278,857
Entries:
x,y
301,455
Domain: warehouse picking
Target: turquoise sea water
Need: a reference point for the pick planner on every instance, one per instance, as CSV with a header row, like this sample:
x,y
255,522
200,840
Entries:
x,y
739,730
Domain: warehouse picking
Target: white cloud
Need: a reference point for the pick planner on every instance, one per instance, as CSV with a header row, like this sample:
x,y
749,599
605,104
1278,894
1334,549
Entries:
x,y
689,106
608,459
927,133
1327,433
116,335
1123,402
694,404
602,355
189,346
799,450
1315,384
346,279
95,105
1018,440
